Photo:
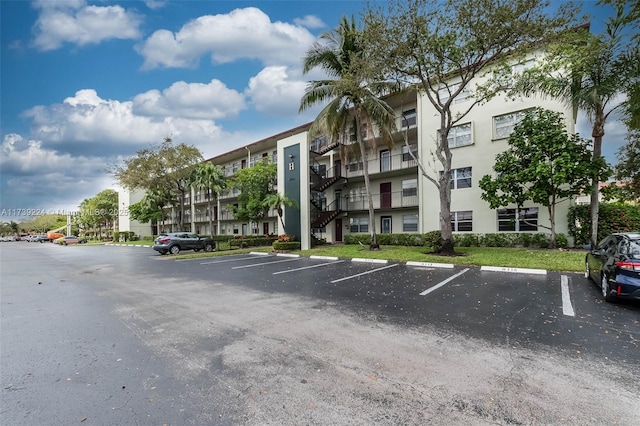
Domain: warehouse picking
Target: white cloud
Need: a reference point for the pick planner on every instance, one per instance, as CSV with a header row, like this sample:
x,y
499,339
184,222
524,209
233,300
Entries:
x,y
243,33
155,4
310,21
89,124
191,100
78,23
273,92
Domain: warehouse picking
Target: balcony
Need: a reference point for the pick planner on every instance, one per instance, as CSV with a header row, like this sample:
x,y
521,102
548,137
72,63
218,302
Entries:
x,y
389,200
388,164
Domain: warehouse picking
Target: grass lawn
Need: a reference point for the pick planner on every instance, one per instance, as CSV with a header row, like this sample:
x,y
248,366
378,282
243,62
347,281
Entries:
x,y
553,260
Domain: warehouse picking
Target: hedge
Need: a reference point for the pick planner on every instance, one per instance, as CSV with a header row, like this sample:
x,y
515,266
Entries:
x,y
289,245
433,240
612,217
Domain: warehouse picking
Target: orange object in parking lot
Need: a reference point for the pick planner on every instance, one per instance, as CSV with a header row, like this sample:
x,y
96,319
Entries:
x,y
51,235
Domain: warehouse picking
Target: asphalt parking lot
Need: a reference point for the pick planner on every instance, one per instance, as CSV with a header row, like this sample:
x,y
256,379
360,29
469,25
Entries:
x,y
122,335
511,306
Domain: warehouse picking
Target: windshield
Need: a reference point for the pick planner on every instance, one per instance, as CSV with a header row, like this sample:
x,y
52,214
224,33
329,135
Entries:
x,y
634,248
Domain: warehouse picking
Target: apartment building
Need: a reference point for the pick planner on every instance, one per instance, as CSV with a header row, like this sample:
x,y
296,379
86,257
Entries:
x,y
325,177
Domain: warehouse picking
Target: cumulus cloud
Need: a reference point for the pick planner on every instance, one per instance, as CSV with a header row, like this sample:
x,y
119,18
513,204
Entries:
x,y
310,21
76,22
155,4
87,124
274,92
191,100
241,34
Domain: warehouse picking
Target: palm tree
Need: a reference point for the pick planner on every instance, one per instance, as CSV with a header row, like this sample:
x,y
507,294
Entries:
x,y
597,71
208,176
352,99
276,201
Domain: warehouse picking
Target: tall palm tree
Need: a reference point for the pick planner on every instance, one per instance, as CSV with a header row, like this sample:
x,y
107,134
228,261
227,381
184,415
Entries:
x,y
597,70
277,201
352,98
208,176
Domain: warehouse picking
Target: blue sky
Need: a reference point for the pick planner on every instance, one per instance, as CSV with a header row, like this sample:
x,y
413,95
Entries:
x,y
87,83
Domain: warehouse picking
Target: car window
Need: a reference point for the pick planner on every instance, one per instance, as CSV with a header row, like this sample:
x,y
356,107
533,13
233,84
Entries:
x,y
633,248
193,236
602,245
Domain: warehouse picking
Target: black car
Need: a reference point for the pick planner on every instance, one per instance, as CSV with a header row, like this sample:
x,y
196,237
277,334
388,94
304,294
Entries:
x,y
615,264
174,242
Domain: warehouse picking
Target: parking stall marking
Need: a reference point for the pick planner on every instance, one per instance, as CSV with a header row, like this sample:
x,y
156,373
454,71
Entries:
x,y
226,260
567,307
363,273
440,284
516,270
307,267
263,263
430,265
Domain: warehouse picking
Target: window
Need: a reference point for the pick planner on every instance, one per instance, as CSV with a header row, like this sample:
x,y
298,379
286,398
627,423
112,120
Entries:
x,y
460,136
254,160
406,156
410,223
354,167
518,219
445,93
526,65
460,178
408,118
234,167
503,124
357,194
235,228
274,157
359,224
462,221
409,187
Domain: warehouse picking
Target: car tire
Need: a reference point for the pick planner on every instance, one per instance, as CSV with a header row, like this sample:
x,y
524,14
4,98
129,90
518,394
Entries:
x,y
587,275
174,249
604,286
196,250
208,247
163,252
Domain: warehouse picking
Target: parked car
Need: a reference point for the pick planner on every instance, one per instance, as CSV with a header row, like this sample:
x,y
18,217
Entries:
x,y
174,242
615,265
41,239
64,241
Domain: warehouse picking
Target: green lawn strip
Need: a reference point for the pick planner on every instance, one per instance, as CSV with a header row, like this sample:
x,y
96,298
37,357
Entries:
x,y
552,260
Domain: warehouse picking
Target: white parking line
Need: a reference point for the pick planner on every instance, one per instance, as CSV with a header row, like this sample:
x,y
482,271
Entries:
x,y
437,286
516,270
567,307
307,267
364,273
431,265
263,263
227,260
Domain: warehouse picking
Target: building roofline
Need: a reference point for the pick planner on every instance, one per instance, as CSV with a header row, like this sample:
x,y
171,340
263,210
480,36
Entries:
x,y
273,138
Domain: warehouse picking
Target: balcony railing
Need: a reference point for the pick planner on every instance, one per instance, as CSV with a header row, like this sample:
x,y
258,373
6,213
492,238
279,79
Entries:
x,y
389,200
380,165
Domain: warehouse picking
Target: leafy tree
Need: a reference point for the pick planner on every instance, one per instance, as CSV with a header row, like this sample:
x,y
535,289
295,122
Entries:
x,y
353,98
445,48
210,177
277,201
627,172
543,164
255,184
151,208
163,169
590,72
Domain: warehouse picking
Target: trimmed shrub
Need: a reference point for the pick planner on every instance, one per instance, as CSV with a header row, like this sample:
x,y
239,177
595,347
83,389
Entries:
x,y
288,245
116,236
433,240
612,217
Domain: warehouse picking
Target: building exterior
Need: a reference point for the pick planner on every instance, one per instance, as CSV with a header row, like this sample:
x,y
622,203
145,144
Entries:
x,y
325,177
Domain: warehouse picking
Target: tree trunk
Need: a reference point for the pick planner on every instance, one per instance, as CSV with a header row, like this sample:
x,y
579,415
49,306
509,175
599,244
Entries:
x,y
210,216
597,133
284,230
367,183
445,190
